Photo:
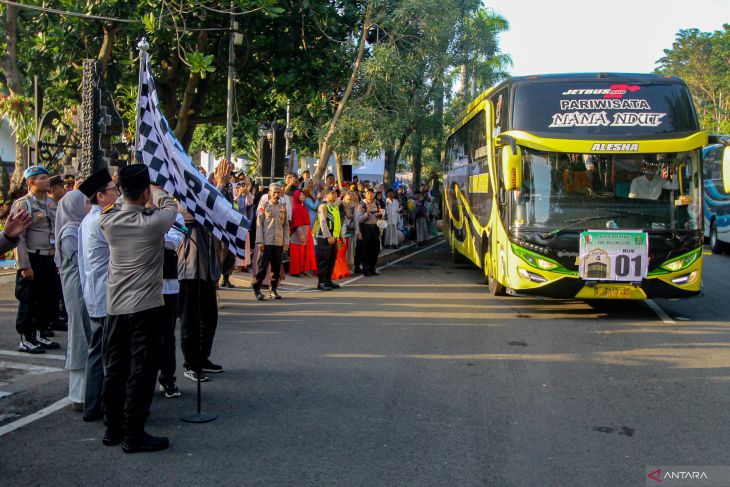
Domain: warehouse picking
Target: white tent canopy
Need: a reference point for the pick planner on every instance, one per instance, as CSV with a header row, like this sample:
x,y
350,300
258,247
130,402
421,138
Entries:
x,y
371,170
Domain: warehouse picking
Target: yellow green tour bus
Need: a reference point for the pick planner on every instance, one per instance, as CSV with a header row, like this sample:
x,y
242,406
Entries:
x,y
579,186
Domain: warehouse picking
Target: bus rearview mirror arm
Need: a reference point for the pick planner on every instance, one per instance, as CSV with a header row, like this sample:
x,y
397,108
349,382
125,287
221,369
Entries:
x,y
510,140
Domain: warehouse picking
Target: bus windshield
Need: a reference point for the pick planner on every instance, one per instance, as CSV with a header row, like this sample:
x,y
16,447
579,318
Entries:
x,y
598,109
563,191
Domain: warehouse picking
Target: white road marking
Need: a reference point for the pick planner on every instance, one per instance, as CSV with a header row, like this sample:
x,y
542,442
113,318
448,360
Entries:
x,y
10,427
30,369
666,319
50,356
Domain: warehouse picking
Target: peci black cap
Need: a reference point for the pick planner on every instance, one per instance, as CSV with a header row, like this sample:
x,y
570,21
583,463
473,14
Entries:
x,y
55,181
134,177
95,182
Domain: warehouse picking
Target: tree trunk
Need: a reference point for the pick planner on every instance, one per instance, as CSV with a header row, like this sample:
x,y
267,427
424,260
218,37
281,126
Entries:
x,y
324,153
9,62
438,109
340,173
17,182
463,82
11,73
416,160
181,127
389,167
107,46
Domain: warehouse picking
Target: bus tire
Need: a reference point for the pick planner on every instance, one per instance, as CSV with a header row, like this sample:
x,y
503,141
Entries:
x,y
495,288
716,246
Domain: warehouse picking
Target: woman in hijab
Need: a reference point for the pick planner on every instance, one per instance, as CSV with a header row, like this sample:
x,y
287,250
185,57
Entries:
x,y
301,248
71,210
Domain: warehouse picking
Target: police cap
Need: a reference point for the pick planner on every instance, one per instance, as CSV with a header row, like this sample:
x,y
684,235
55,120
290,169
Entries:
x,y
135,177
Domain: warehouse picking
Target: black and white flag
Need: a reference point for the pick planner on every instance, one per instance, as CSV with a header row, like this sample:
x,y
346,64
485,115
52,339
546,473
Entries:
x,y
171,168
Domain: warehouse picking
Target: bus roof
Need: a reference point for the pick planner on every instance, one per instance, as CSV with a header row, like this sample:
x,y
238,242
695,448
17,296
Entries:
x,y
561,77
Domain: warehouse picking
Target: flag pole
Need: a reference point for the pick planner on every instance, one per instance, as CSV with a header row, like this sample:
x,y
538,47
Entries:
x,y
143,46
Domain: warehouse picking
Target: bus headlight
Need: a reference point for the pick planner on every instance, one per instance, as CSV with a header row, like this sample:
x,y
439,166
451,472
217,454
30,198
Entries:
x,y
535,260
683,261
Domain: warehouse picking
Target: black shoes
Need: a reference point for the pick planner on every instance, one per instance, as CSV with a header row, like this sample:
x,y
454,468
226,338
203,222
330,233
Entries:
x,y
170,390
274,295
112,437
45,343
257,292
30,346
145,443
210,367
323,287
193,376
333,285
357,270
227,284
93,418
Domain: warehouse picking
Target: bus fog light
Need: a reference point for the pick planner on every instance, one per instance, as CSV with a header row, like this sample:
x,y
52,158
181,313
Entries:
x,y
530,276
686,278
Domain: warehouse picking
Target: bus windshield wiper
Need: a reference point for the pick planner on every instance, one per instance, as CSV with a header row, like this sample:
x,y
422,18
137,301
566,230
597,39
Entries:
x,y
627,213
578,221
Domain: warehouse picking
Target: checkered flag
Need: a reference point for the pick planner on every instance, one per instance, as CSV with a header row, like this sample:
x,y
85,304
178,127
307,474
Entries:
x,y
171,168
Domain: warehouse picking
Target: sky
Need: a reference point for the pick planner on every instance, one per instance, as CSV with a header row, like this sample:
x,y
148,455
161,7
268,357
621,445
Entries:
x,y
563,36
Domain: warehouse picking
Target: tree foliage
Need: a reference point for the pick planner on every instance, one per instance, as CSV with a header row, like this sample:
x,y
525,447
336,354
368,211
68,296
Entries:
x,y
702,60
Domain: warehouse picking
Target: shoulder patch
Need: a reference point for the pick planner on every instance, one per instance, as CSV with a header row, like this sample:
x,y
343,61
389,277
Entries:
x,y
109,209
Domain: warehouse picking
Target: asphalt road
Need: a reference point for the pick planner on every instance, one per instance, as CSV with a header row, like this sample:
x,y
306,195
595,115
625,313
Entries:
x,y
416,377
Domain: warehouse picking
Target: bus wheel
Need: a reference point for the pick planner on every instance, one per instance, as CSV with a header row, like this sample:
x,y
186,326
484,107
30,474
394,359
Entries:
x,y
716,246
495,288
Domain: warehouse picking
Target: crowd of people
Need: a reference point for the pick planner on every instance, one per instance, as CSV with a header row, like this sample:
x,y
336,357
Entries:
x,y
329,228
115,262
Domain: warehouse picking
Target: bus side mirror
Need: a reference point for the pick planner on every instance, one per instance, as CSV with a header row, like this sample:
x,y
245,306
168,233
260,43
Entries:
x,y
512,168
726,169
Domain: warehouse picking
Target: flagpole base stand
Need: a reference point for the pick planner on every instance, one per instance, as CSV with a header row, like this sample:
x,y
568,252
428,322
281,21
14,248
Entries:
x,y
201,417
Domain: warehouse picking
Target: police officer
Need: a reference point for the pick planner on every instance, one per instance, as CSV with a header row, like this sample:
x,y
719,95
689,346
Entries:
x,y
134,307
370,212
330,225
272,237
37,273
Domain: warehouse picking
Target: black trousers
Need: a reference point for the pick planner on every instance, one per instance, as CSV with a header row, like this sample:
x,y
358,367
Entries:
x,y
167,361
370,246
270,255
226,258
132,346
358,253
198,320
326,255
37,299
95,368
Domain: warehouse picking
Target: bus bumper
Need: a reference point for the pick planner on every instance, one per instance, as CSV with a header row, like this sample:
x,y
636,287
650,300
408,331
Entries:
x,y
681,284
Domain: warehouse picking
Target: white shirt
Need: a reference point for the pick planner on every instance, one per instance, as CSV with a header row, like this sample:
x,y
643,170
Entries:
x,y
646,189
173,238
392,207
93,262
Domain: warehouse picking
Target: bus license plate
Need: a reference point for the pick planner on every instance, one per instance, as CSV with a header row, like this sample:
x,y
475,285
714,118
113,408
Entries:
x,y
612,292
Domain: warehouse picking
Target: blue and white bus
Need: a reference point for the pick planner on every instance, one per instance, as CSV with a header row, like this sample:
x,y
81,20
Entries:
x,y
716,204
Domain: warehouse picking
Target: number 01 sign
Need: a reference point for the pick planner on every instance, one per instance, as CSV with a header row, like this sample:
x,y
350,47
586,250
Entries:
x,y
613,255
